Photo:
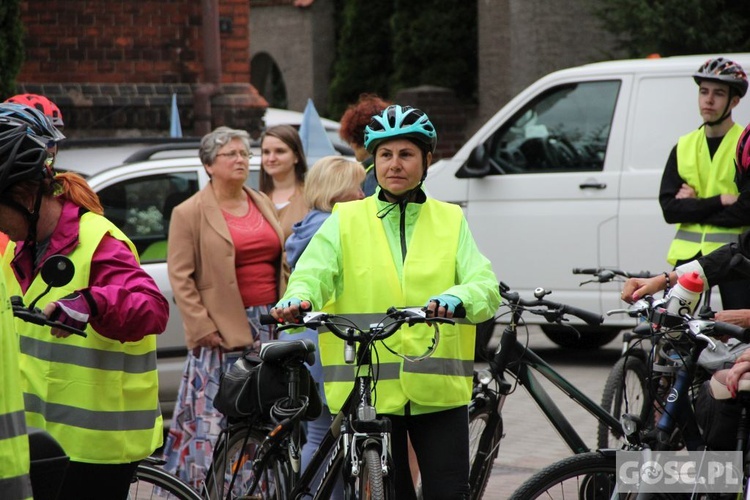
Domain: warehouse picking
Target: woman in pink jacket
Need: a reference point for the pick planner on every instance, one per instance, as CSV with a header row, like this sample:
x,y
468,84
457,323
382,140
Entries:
x,y
96,395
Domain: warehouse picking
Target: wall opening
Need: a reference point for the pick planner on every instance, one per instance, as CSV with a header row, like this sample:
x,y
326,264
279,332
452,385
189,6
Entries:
x,y
266,77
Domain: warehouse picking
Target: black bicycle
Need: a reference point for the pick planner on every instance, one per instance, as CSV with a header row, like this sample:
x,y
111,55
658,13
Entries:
x,y
253,461
514,358
594,474
627,385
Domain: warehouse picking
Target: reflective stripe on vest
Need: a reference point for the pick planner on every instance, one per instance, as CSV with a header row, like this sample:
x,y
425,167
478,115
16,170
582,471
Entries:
x,y
95,389
371,285
709,177
15,483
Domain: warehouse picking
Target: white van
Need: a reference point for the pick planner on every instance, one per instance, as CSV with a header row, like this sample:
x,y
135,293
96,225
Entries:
x,y
567,175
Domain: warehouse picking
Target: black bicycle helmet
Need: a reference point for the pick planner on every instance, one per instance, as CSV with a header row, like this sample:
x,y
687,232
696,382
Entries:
x,y
23,154
719,69
400,122
36,120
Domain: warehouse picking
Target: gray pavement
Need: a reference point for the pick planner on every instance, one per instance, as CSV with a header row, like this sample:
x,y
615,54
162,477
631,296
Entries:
x,y
530,443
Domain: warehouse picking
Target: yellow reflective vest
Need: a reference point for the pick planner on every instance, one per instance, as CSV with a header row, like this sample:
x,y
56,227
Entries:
x,y
372,285
14,442
98,397
709,177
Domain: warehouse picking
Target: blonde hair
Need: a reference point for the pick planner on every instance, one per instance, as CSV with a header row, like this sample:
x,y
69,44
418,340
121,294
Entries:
x,y
329,178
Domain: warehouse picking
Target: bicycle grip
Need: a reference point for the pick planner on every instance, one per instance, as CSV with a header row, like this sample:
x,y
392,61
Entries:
x,y
267,319
734,331
460,312
589,317
585,270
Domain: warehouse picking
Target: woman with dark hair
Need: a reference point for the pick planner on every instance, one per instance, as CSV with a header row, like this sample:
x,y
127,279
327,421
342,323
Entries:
x,y
96,395
282,174
401,247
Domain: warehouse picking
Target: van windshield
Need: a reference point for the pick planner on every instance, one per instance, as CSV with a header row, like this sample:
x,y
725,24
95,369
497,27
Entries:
x,y
564,129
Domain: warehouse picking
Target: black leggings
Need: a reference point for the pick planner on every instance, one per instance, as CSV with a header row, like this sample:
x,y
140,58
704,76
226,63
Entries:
x,y
85,481
441,443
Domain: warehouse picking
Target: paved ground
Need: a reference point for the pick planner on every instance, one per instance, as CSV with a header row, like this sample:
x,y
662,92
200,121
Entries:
x,y
530,443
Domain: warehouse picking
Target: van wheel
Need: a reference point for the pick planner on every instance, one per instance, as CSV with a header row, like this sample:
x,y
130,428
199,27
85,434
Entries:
x,y
484,335
591,337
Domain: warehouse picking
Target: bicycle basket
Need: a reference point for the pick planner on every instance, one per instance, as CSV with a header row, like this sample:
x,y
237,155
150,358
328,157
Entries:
x,y
250,387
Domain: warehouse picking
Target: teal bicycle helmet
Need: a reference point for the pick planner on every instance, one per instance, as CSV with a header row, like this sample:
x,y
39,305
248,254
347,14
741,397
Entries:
x,y
400,122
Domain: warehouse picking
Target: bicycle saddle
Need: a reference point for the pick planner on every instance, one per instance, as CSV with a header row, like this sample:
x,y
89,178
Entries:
x,y
288,350
719,388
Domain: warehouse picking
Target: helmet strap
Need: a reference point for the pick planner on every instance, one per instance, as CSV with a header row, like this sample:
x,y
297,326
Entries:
x,y
727,113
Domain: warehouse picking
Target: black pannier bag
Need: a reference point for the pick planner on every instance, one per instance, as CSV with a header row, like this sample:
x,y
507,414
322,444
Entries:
x,y
251,386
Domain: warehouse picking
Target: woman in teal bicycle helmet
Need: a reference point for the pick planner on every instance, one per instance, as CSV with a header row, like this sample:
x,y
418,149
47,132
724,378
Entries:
x,y
401,248
406,124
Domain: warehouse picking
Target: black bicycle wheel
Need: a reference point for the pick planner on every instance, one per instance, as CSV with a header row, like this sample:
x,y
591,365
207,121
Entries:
x,y
587,476
151,482
371,481
485,432
627,382
232,465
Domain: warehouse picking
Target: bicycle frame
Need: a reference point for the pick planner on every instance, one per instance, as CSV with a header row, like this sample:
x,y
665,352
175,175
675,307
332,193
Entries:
x,y
520,362
343,442
517,359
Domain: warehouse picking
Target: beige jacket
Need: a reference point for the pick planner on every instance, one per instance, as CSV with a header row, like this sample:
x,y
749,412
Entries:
x,y
200,262
294,211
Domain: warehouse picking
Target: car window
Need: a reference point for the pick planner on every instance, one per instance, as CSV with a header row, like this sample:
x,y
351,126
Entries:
x,y
564,129
141,208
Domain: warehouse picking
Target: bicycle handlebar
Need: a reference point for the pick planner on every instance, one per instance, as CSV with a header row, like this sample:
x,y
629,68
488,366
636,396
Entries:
x,y
659,318
37,317
605,274
346,328
554,311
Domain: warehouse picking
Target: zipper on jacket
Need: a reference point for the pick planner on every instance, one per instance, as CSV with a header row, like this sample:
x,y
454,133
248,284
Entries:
x,y
402,227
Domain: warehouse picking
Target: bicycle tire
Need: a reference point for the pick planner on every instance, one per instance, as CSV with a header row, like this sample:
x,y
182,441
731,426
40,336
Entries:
x,y
592,476
484,443
151,482
372,485
629,378
274,481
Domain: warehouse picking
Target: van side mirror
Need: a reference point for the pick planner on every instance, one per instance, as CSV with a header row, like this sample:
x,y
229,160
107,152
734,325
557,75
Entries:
x,y
477,165
57,271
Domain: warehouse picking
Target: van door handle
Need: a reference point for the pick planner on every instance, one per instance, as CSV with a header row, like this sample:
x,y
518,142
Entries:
x,y
593,185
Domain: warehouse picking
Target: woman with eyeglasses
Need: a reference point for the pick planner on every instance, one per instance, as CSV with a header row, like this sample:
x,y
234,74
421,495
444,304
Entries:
x,y
282,174
224,261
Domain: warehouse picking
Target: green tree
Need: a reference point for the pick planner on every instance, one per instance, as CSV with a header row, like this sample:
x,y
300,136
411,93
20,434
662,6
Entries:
x,y
363,55
435,43
674,27
11,46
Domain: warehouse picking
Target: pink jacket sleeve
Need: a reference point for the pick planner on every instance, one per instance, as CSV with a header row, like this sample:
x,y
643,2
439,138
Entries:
x,y
129,304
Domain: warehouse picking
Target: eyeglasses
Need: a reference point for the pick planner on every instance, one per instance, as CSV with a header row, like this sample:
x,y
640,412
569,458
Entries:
x,y
232,155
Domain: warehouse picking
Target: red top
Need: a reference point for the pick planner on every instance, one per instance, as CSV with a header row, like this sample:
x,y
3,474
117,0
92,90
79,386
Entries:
x,y
256,251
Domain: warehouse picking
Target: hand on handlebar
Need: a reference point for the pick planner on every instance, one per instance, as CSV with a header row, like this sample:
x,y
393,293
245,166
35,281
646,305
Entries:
x,y
636,288
739,317
442,306
290,310
72,310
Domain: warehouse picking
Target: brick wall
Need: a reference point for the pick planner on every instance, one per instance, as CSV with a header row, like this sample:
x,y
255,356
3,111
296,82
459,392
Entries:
x,y
108,63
